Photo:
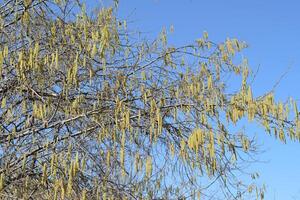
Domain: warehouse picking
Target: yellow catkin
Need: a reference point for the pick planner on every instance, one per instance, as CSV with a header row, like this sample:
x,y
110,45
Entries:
x,y
108,158
62,188
1,181
148,166
76,163
83,196
1,62
26,181
44,176
122,156
56,59
296,109
70,180
55,192
94,50
281,135
249,95
3,103
36,49
159,121
172,150
211,144
23,162
136,162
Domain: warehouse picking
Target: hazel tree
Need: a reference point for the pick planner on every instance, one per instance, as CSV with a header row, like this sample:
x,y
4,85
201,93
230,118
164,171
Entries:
x,y
90,110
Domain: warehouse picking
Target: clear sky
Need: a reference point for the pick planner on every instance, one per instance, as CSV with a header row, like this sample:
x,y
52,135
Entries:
x,y
272,30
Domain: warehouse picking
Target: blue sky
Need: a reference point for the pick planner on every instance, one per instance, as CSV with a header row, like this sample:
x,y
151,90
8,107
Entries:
x,y
272,29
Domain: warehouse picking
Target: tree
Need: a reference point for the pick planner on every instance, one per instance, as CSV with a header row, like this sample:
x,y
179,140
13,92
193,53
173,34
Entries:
x,y
89,110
